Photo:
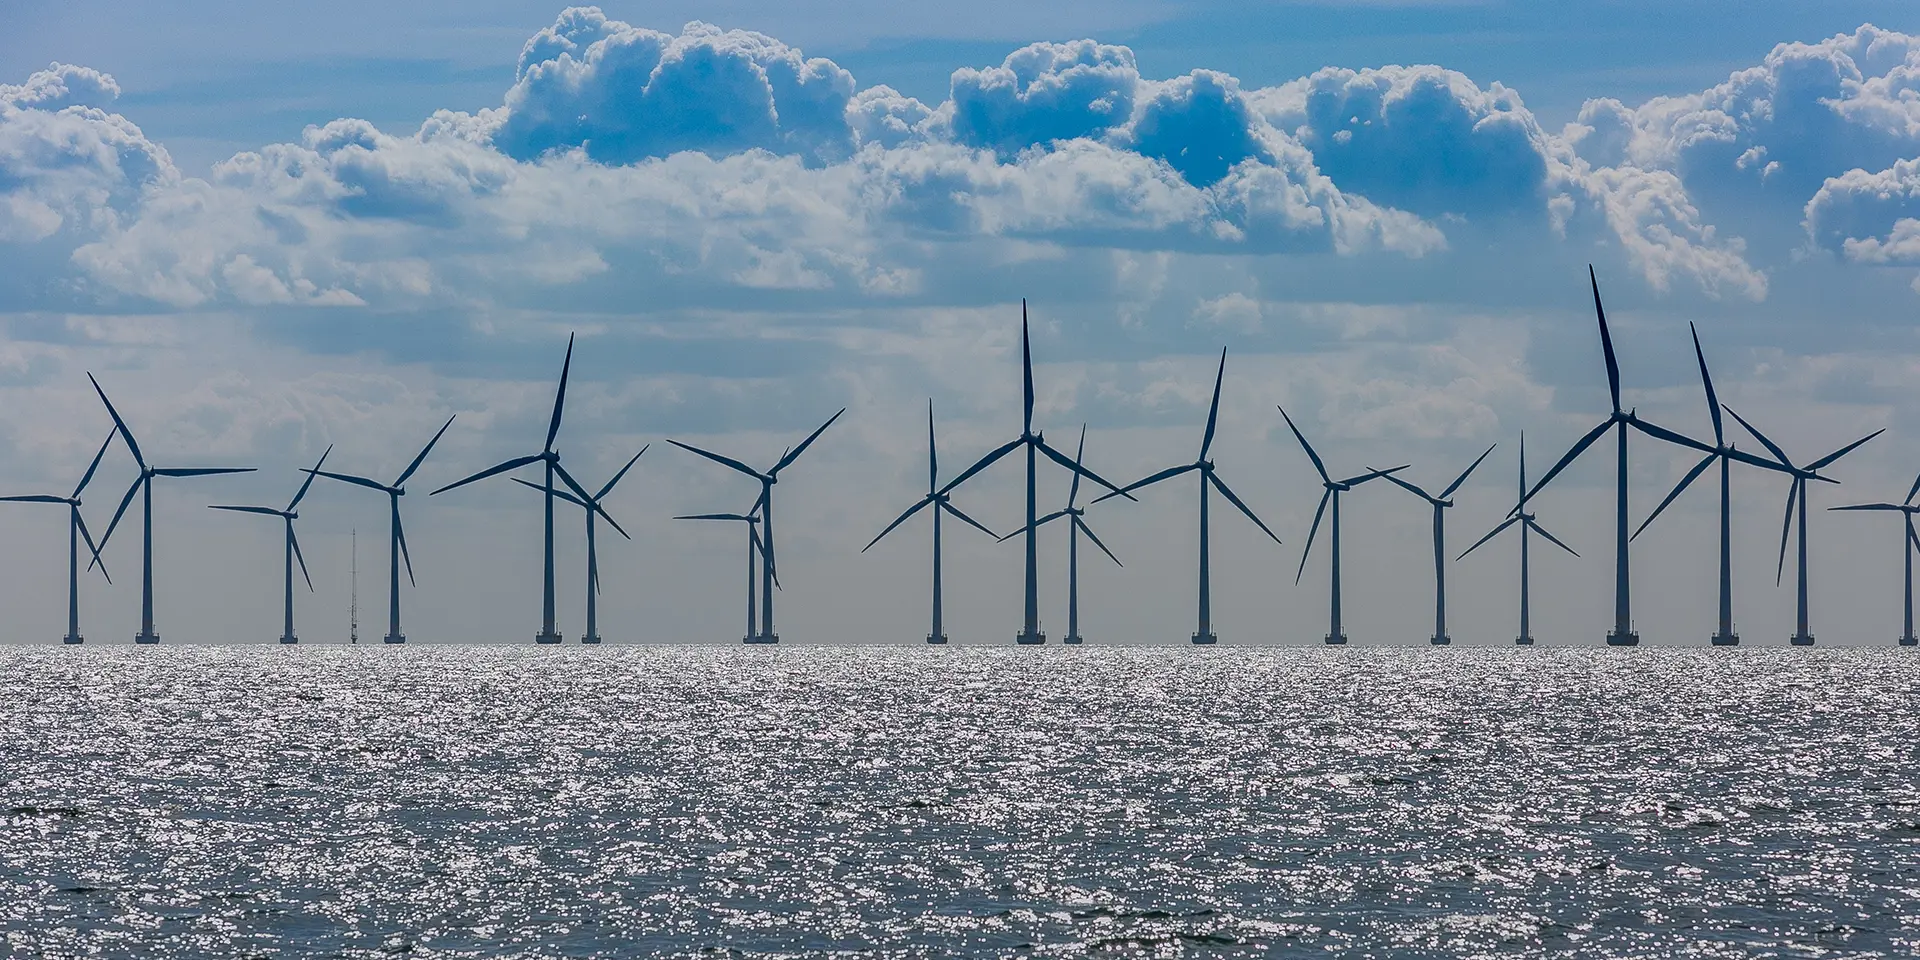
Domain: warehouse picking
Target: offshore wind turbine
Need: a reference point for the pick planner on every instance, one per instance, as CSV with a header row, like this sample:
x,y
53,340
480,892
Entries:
x,y
1725,454
1203,632
592,507
143,485
1336,632
292,544
941,503
1036,444
1440,504
763,507
397,535
548,634
1622,634
1078,525
1798,491
1527,525
76,531
751,520
1906,509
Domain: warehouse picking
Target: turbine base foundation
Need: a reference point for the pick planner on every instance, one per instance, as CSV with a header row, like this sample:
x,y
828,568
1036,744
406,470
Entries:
x,y
941,639
1904,641
1726,640
1523,641
1073,638
547,638
1336,640
592,639
75,639
1026,639
394,638
1802,640
289,638
761,638
144,638
1207,639
1617,639
1440,640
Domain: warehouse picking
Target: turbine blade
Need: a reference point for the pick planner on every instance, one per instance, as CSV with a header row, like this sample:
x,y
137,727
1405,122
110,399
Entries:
x,y
294,539
1037,524
715,516
950,508
514,464
1213,411
1221,485
1061,459
1606,341
1692,475
415,465
1786,527
1084,528
1537,528
36,498
1658,432
982,464
405,554
95,465
199,471
1149,480
900,520
263,511
1355,481
1843,451
1772,447
1579,447
795,453
1911,491
1508,522
560,396
623,472
124,501
1079,457
92,547
1410,488
933,452
1304,445
133,446
1026,372
1464,474
309,481
1706,380
615,524
586,499
710,455
557,491
1872,506
1311,533
349,478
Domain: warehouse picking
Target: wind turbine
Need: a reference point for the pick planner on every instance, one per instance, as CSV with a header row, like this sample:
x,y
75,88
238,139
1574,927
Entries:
x,y
1798,491
942,503
763,507
287,517
1440,504
1035,443
1622,634
1906,508
1724,453
751,520
1203,634
1079,526
76,531
397,535
1527,524
1336,634
143,485
548,632
592,506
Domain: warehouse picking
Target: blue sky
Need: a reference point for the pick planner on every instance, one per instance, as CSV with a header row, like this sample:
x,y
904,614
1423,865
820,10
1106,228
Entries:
x,y
275,229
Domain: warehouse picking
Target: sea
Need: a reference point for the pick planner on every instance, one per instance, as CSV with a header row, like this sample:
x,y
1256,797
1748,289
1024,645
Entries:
x,y
796,801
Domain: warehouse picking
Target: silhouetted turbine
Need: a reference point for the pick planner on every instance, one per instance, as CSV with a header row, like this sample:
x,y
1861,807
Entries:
x,y
292,544
396,534
1035,443
1802,637
1527,524
591,506
1203,633
143,485
1336,631
1440,504
1725,454
549,632
942,503
1906,510
763,508
753,558
1078,526
76,531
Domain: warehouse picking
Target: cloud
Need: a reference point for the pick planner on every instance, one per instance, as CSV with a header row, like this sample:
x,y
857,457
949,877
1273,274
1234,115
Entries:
x,y
1868,217
66,162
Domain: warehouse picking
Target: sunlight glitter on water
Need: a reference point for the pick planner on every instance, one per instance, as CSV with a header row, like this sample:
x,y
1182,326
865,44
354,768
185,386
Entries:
x,y
468,801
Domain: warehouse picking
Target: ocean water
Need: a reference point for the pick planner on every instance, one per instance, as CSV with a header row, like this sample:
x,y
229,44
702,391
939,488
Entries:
x,y
808,801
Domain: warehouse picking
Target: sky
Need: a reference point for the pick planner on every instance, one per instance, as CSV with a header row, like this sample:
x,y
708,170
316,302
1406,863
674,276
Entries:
x,y
270,232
